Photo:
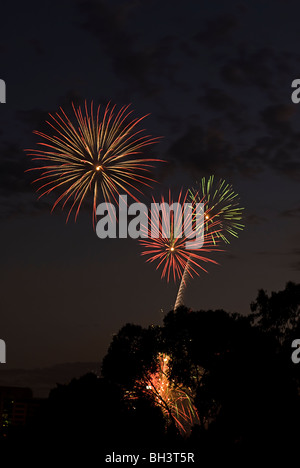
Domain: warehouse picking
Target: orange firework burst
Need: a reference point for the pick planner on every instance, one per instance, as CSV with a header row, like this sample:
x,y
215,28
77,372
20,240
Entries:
x,y
173,399
168,249
93,153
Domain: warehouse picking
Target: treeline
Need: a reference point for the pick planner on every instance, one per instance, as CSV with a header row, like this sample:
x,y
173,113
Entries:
x,y
230,377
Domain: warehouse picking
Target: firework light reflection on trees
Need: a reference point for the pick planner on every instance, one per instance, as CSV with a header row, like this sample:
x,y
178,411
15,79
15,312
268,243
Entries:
x,y
174,399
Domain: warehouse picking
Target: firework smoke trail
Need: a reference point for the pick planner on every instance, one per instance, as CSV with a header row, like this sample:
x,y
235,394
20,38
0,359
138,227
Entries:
x,y
182,287
93,153
221,208
168,250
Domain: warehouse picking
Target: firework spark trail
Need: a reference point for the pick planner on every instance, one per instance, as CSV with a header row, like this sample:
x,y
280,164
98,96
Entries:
x,y
221,207
183,283
168,250
92,154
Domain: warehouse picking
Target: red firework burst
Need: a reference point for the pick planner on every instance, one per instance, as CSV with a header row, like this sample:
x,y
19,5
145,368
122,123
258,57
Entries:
x,y
168,249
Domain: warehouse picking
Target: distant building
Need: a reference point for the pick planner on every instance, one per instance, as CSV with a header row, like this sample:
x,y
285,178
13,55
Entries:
x,y
17,408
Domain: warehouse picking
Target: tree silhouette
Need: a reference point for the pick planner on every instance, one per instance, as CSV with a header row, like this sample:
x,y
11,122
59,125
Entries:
x,y
278,313
88,416
132,355
135,361
236,370
244,389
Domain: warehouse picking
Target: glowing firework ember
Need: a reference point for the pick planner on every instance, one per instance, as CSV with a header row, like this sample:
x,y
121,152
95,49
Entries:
x,y
94,153
169,250
173,399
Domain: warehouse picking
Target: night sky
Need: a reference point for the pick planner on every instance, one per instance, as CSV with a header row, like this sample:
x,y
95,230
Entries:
x,y
216,79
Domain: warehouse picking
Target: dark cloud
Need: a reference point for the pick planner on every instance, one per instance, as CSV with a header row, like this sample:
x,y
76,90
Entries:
x,y
12,167
36,118
291,213
104,20
211,150
230,256
263,68
132,60
216,99
217,30
232,138
278,117
37,46
17,194
268,253
202,149
253,218
295,264
33,118
22,205
248,68
286,163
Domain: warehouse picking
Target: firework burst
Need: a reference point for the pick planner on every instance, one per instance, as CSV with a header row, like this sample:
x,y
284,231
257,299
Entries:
x,y
95,152
173,399
221,207
167,248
